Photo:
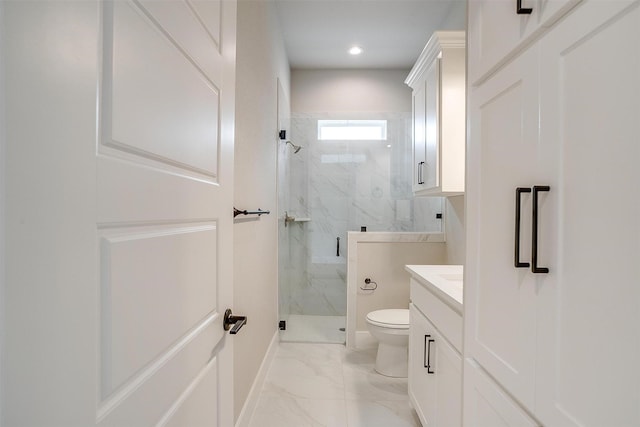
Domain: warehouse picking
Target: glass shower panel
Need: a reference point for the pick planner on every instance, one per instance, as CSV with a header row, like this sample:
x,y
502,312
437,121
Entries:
x,y
332,187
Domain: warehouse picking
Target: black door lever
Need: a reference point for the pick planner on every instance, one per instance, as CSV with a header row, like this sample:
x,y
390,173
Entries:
x,y
237,322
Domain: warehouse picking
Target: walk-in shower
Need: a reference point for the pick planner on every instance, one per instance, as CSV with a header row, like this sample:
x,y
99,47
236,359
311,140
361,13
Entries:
x,y
353,173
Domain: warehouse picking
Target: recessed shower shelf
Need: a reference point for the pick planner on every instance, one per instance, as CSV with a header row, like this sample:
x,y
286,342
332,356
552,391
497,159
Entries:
x,y
288,219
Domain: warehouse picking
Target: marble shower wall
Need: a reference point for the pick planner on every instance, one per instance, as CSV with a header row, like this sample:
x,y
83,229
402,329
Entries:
x,y
342,186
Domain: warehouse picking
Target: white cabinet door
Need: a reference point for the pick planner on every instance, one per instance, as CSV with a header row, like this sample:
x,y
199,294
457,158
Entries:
x,y
447,368
589,344
496,29
431,172
500,300
419,135
438,83
422,391
573,360
119,144
487,405
435,374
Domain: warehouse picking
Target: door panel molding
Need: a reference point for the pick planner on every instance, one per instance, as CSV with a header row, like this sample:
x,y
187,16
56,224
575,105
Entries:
x,y
148,304
176,124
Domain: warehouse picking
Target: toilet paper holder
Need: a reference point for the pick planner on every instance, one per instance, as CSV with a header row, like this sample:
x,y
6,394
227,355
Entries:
x,y
367,285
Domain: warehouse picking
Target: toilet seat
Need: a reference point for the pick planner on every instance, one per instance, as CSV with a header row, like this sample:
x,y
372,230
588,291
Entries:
x,y
390,318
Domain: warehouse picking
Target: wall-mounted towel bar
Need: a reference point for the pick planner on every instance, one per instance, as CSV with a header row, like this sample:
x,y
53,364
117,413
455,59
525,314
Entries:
x,y
259,212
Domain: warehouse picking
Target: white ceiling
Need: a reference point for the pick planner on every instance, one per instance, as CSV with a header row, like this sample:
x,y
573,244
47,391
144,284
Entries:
x,y
318,33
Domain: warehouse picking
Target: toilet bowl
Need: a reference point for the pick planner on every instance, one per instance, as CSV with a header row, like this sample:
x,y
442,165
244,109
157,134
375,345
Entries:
x,y
391,328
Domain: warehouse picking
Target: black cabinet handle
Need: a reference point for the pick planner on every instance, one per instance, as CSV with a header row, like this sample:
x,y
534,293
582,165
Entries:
x,y
534,230
516,258
420,173
522,10
237,322
426,358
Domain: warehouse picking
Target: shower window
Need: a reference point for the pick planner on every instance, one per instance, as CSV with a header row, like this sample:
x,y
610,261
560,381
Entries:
x,y
352,130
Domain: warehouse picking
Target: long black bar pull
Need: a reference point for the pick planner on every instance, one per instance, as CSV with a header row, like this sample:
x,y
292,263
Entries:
x,y
426,358
534,230
337,246
522,10
516,257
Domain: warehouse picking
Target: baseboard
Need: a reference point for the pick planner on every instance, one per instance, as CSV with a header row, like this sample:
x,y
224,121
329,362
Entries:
x,y
254,394
364,339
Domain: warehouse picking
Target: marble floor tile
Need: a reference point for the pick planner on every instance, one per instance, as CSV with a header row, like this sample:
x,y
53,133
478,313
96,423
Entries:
x,y
329,385
314,354
362,360
363,413
289,412
297,378
364,383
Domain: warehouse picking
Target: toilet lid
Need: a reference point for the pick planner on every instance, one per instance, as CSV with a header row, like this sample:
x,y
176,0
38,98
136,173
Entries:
x,y
397,318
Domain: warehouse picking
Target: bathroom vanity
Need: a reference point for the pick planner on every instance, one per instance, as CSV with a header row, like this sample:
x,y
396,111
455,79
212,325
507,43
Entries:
x,y
435,343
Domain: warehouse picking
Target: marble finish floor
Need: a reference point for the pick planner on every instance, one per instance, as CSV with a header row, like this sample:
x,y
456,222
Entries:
x,y
327,385
320,329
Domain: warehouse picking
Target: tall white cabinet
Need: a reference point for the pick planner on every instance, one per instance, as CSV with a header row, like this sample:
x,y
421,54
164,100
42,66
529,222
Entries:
x,y
555,113
438,83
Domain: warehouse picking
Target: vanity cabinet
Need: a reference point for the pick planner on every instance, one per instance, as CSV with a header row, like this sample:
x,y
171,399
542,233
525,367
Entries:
x,y
435,344
550,287
437,81
435,374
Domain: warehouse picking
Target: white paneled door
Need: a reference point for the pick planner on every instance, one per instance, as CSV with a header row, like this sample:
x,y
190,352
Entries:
x,y
119,148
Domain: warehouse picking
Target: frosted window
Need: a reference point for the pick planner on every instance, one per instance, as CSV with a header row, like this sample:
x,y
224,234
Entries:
x,y
352,130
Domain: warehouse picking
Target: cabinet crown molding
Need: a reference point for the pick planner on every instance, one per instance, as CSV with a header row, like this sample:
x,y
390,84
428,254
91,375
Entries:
x,y
439,40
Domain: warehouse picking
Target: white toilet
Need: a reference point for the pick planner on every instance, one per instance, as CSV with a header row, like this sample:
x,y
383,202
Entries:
x,y
391,328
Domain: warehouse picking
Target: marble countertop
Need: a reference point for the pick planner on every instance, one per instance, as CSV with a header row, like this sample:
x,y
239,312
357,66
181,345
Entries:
x,y
445,281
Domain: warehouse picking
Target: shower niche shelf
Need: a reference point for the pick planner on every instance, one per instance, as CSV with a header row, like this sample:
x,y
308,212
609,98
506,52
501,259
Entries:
x,y
289,219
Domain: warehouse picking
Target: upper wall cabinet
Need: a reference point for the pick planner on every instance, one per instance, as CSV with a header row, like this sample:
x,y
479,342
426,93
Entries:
x,y
438,83
499,28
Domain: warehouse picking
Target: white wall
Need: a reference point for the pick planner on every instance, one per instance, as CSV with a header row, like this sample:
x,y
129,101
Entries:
x,y
261,60
454,206
321,91
457,17
454,229
384,263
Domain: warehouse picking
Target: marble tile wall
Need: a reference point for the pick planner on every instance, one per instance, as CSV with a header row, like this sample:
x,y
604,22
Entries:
x,y
341,186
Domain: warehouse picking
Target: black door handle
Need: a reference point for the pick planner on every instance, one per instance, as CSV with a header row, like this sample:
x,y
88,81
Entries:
x,y
237,322
534,230
516,258
522,10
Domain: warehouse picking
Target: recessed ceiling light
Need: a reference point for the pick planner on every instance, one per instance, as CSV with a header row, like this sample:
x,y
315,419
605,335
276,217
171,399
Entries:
x,y
355,50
